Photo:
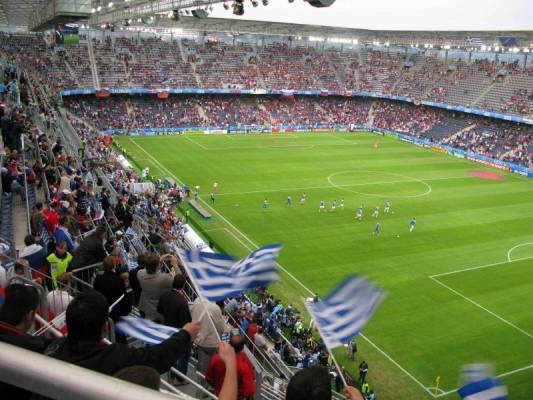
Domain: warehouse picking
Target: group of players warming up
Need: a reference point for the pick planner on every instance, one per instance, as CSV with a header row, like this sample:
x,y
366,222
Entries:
x,y
340,205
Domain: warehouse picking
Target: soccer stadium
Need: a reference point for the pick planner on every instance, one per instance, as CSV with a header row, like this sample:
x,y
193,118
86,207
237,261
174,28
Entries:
x,y
266,199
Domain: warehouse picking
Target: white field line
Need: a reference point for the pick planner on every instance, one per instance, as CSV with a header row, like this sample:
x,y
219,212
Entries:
x,y
287,272
196,143
514,371
529,335
516,247
480,267
346,185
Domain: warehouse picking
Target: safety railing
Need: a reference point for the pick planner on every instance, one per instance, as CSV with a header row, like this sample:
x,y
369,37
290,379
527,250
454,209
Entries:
x,y
60,380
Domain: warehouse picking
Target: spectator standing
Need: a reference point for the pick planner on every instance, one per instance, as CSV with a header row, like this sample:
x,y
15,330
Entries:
x,y
363,370
34,253
208,337
216,371
62,233
154,283
90,251
112,286
174,307
58,262
59,299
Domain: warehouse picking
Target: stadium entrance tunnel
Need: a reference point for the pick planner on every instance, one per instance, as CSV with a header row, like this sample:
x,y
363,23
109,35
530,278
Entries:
x,y
379,184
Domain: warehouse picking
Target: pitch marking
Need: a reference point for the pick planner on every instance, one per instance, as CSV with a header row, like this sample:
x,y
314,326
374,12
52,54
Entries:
x,y
329,186
480,267
409,179
516,247
514,371
288,273
529,335
196,143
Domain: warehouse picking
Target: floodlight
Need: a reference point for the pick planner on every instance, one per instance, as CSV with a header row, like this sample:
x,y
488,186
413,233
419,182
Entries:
x,y
238,7
320,3
110,5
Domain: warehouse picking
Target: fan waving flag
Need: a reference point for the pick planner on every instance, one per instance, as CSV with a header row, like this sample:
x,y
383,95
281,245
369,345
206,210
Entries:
x,y
144,330
344,312
218,276
486,389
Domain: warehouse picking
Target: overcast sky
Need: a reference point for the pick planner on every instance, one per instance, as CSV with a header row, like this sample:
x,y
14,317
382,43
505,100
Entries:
x,y
397,14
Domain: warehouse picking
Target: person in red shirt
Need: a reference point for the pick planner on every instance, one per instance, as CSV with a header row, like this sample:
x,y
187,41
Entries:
x,y
216,371
51,215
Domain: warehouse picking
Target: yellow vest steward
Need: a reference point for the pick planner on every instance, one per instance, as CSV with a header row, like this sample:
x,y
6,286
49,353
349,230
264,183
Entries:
x,y
58,266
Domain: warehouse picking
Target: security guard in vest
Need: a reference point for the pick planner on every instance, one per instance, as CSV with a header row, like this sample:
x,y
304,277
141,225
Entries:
x,y
59,261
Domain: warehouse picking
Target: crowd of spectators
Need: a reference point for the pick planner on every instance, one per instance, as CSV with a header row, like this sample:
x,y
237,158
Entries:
x,y
154,62
497,139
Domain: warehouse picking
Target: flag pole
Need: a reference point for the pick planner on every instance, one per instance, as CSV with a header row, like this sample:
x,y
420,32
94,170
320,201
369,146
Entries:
x,y
199,294
327,345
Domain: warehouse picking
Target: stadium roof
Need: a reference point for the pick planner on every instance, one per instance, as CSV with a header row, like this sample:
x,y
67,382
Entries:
x,y
233,26
17,12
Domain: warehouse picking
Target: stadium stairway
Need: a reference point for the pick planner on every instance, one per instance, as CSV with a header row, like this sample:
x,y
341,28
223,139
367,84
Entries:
x,y
94,72
6,227
71,72
467,129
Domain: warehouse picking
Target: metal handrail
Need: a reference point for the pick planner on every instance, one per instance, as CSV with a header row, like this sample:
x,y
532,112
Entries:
x,y
60,380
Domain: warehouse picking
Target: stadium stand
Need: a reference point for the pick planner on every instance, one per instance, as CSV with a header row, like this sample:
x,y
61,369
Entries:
x,y
78,175
185,63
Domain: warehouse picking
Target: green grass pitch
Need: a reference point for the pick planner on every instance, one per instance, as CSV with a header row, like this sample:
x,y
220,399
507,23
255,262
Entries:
x,y
460,287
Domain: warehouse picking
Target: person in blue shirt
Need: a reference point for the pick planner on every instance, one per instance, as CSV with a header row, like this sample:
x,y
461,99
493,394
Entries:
x,y
412,225
377,229
322,206
62,233
289,201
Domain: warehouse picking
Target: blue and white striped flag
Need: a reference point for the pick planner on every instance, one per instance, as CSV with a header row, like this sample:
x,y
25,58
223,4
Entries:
x,y
144,330
218,276
486,389
344,312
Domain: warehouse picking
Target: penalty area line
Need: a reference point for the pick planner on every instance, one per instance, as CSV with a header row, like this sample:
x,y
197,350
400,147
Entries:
x,y
529,335
480,267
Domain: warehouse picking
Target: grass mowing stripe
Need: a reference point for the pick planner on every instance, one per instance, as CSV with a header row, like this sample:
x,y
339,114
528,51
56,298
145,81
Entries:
x,y
420,384
428,330
483,308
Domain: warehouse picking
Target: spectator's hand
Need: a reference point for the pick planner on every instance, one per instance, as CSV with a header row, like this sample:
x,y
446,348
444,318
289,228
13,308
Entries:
x,y
226,353
352,393
193,328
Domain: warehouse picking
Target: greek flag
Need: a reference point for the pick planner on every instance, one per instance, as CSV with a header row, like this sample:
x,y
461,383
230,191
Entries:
x,y
218,276
344,312
486,389
144,330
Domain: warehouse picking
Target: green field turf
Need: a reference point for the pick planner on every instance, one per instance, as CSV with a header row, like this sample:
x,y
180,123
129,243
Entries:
x,y
433,321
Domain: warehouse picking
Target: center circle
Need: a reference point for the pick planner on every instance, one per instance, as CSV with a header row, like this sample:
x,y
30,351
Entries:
x,y
381,178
